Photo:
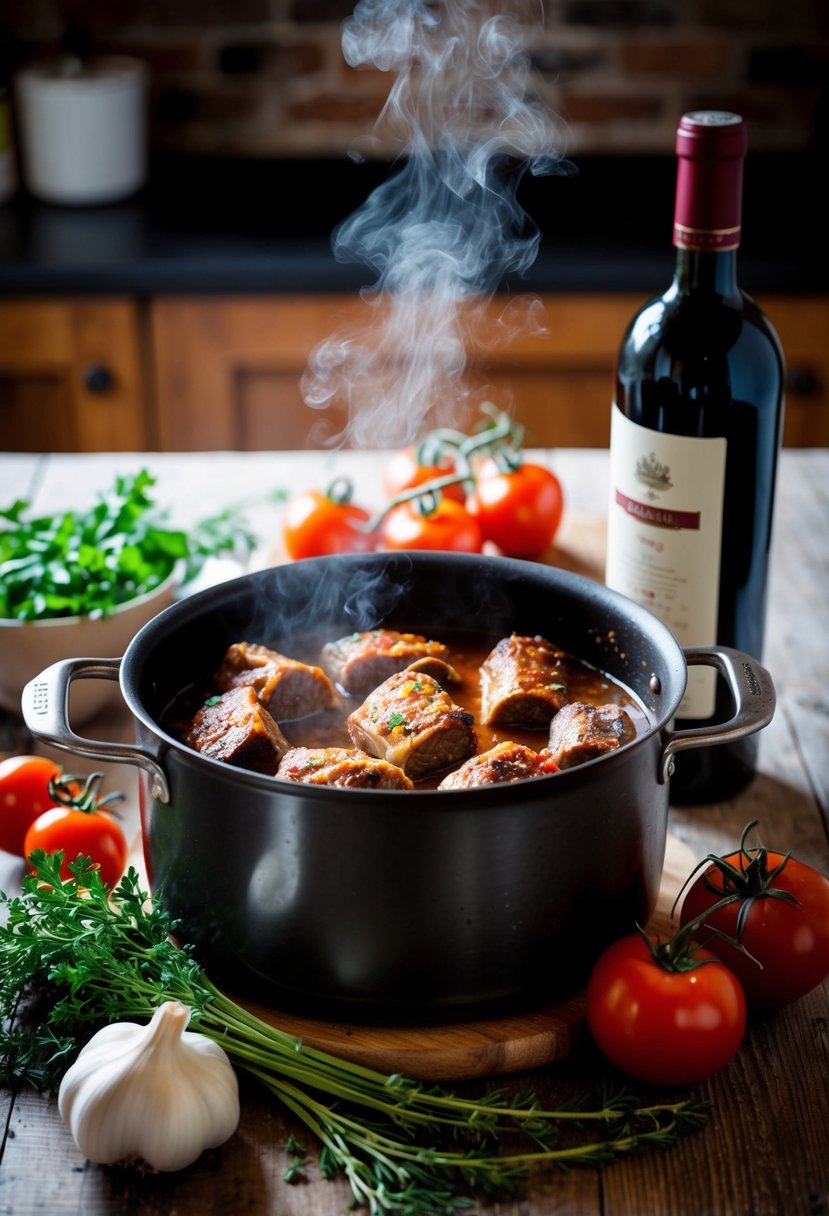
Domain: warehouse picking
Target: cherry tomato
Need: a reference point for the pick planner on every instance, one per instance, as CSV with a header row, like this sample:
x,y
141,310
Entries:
x,y
316,523
662,1026
518,509
77,823
405,471
784,909
448,525
93,833
24,794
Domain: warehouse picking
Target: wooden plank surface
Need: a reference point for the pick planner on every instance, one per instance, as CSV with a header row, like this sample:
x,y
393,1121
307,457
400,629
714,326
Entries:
x,y
766,1148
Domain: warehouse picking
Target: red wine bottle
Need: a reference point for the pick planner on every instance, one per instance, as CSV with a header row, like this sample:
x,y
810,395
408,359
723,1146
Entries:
x,y
695,437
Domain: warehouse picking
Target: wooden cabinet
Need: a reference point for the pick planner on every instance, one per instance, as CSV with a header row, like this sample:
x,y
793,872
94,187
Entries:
x,y
219,372
72,378
227,370
803,325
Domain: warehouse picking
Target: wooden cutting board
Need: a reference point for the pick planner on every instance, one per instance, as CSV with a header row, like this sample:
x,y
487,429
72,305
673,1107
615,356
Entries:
x,y
485,1048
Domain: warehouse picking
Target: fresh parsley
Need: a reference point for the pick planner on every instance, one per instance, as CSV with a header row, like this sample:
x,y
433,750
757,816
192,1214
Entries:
x,y
86,563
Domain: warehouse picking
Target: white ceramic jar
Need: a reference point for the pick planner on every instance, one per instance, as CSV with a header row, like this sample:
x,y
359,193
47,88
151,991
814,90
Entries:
x,y
83,132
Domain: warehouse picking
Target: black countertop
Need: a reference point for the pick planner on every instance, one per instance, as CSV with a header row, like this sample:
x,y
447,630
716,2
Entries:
x,y
233,227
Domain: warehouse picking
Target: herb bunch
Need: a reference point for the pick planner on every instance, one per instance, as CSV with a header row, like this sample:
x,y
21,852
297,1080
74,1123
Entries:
x,y
87,563
74,955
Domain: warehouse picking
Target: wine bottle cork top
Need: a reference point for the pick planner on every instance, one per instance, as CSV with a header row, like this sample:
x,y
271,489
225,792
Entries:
x,y
711,135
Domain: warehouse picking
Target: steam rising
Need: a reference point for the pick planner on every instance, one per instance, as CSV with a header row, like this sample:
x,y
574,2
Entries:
x,y
442,232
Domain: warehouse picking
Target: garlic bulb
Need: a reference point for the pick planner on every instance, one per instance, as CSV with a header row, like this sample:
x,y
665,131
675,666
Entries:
x,y
159,1093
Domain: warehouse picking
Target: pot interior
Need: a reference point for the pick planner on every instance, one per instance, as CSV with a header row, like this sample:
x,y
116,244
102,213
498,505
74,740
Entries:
x,y
416,592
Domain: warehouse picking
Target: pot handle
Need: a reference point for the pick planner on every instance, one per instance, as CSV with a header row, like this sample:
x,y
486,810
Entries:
x,y
45,705
754,696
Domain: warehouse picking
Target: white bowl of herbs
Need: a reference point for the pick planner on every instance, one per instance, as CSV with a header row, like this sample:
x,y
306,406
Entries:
x,y
81,584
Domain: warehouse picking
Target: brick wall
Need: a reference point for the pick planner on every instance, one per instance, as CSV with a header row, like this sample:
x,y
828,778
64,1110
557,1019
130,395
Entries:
x,y
267,77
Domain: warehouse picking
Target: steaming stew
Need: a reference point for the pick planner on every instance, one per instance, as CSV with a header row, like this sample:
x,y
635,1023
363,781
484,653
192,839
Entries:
x,y
466,653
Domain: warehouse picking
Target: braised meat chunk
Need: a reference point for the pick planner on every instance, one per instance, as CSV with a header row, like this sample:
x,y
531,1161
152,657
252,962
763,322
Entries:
x,y
236,728
523,682
504,762
343,766
362,661
287,688
581,732
413,723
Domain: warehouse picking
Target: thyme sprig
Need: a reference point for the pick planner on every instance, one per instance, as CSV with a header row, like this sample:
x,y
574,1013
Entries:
x,y
74,955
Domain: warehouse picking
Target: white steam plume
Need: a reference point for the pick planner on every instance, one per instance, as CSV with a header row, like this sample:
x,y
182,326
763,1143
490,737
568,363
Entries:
x,y
443,231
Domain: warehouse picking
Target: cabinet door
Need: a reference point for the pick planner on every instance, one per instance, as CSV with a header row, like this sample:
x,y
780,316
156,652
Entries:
x,y
558,379
228,370
803,326
70,376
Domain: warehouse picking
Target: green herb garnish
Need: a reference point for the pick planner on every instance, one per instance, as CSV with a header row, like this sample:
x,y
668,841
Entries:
x,y
88,563
395,719
87,955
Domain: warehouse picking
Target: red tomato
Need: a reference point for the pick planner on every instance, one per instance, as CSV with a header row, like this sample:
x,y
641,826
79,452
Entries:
x,y
24,794
315,524
666,1027
518,509
405,472
93,833
411,525
786,928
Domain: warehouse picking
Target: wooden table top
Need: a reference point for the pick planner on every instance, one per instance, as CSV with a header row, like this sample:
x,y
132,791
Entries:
x,y
765,1149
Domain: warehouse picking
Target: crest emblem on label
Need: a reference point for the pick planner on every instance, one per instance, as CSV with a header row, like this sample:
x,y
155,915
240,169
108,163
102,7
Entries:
x,y
653,474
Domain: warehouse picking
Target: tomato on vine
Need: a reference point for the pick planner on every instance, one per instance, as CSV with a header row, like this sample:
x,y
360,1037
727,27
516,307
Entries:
x,y
317,523
78,823
666,1013
417,465
519,506
431,522
779,912
24,794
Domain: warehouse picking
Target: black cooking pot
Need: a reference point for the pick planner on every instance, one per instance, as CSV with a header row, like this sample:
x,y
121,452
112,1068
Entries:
x,y
402,904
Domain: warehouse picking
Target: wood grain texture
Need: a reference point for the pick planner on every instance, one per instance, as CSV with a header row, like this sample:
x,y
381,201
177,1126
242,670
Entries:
x,y
46,349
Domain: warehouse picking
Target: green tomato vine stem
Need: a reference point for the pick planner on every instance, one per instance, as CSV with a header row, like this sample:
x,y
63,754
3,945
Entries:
x,y
501,438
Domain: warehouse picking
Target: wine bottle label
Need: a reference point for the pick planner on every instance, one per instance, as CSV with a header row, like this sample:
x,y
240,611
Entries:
x,y
664,537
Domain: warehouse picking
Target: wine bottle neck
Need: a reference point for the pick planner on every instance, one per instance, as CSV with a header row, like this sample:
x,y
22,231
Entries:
x,y
707,272
710,148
